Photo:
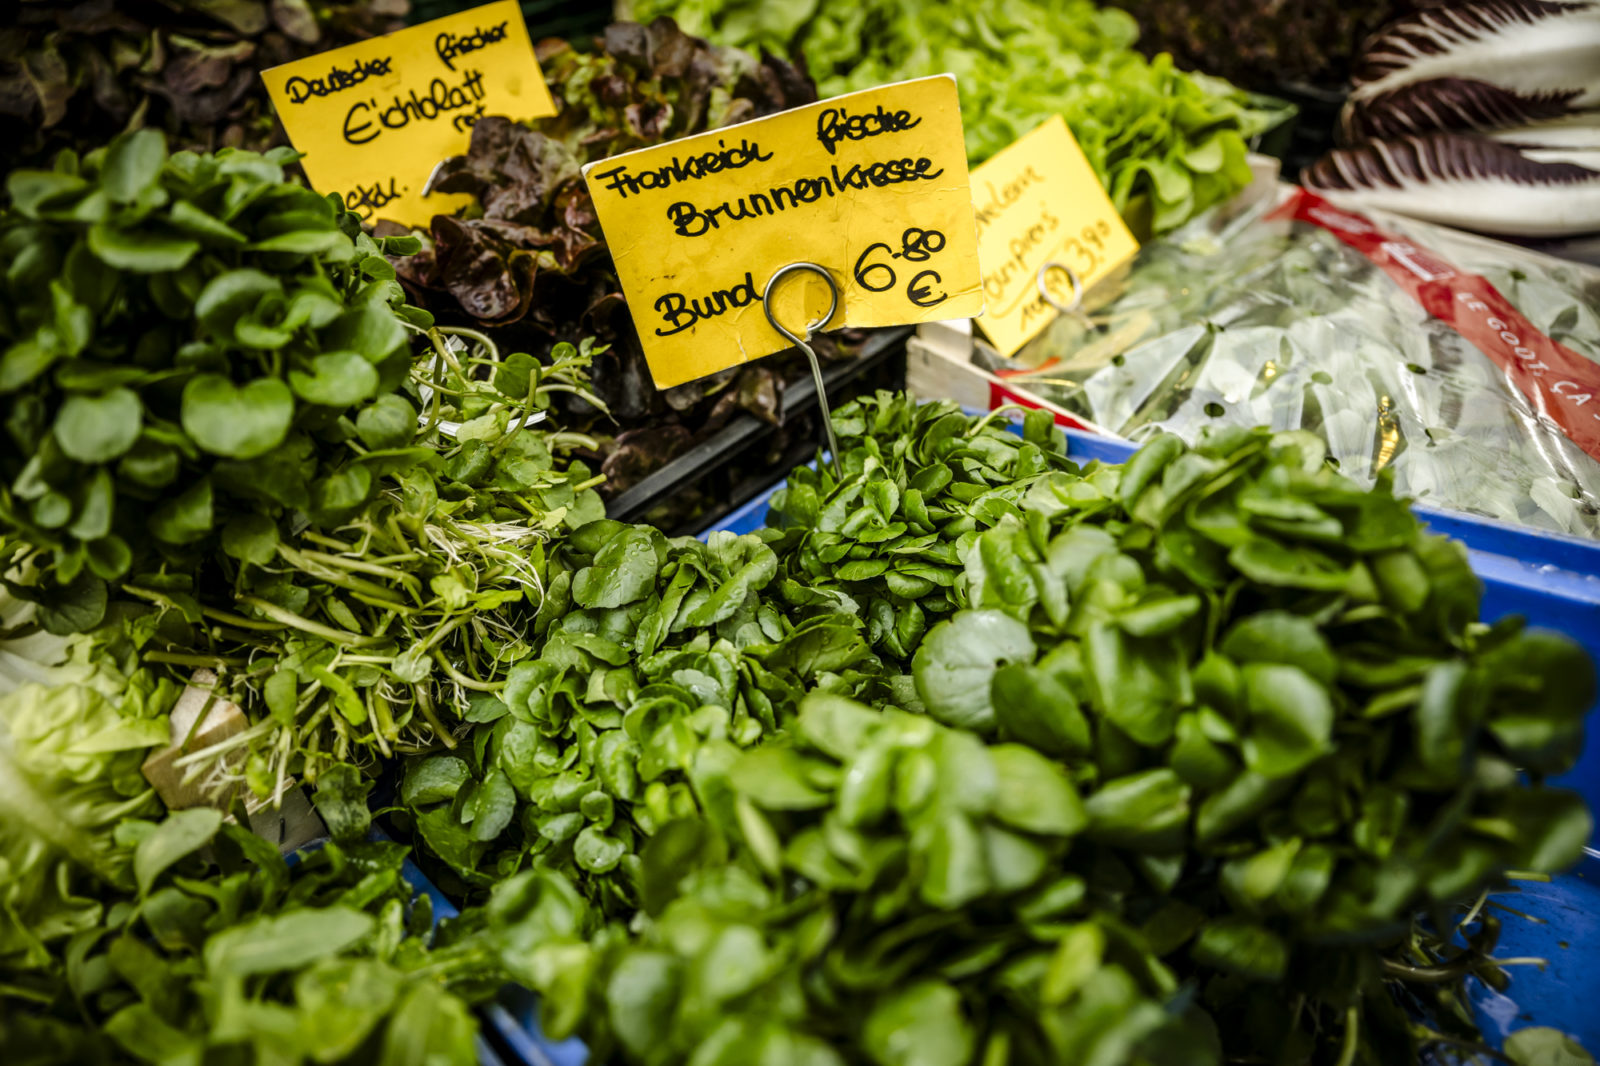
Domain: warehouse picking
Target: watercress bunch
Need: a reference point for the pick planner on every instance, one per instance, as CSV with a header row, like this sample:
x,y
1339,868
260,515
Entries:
x,y
181,334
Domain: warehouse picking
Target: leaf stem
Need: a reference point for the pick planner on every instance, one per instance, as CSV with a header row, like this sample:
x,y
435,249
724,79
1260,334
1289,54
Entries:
x,y
443,631
1472,914
240,636
323,570
1520,914
425,706
556,440
227,744
378,726
482,340
237,620
185,659
326,541
305,625
1352,1030
1433,975
463,680
1429,1036
362,566
983,424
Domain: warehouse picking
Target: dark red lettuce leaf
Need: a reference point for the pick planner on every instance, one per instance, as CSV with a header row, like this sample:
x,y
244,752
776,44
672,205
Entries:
x,y
73,75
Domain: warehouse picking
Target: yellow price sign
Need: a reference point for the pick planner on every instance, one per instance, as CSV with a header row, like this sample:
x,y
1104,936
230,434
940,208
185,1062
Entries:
x,y
375,118
1038,201
871,186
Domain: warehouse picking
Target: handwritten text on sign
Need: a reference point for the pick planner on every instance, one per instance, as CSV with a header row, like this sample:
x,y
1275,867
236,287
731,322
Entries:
x,y
375,118
1038,201
872,186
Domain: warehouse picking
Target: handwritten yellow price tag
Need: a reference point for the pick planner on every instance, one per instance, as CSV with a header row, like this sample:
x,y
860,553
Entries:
x,y
375,118
1039,202
871,186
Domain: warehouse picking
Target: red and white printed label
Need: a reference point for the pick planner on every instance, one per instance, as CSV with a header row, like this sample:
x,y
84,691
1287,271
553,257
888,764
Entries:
x,y
1562,385
1000,395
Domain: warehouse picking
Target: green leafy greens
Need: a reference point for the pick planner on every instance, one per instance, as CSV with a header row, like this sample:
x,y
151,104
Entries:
x,y
1197,738
648,650
70,750
225,423
179,330
226,949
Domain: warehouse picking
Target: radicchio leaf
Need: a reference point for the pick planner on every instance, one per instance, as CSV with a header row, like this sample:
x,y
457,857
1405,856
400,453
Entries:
x,y
1462,180
1445,104
1527,47
1579,133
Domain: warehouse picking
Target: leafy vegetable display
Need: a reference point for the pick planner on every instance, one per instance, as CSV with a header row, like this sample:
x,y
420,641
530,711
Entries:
x,y
1295,687
70,749
889,542
529,264
1205,757
1520,186
1166,144
648,649
1481,64
1480,114
178,333
974,756
73,75
903,895
130,935
386,631
224,949
216,409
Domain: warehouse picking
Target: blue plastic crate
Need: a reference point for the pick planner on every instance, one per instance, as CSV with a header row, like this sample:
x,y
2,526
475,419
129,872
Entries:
x,y
512,1016
1554,582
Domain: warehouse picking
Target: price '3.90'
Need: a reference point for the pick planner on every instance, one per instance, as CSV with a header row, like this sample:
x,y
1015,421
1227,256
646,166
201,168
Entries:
x,y
1090,250
916,246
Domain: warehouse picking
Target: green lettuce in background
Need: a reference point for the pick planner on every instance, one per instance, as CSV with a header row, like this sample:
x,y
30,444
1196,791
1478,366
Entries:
x,y
73,733
1165,143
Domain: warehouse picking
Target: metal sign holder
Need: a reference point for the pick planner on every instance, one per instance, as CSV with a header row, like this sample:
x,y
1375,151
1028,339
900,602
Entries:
x,y
1073,308
801,342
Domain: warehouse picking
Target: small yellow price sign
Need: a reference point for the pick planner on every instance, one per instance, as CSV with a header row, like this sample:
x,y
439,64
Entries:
x,y
1038,201
871,186
374,118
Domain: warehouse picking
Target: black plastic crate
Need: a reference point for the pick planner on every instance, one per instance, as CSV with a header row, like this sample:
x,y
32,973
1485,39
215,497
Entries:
x,y
738,461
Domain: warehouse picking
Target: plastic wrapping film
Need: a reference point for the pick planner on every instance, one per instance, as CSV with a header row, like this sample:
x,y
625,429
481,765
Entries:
x,y
1295,315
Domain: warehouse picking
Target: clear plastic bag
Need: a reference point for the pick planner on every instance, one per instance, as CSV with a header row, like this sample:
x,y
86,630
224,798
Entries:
x,y
1269,321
